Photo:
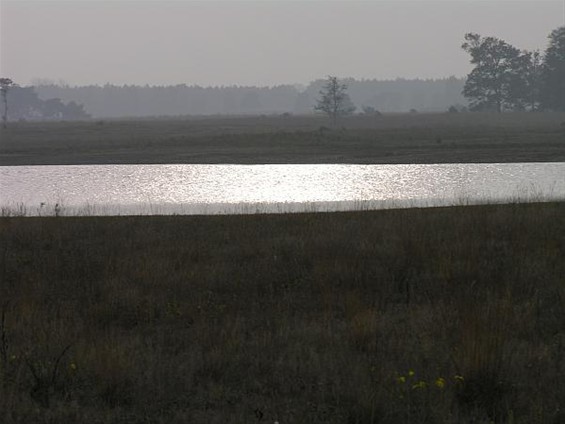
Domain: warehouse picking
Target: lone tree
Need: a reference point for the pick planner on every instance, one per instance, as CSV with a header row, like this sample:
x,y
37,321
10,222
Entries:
x,y
553,71
5,85
334,100
488,86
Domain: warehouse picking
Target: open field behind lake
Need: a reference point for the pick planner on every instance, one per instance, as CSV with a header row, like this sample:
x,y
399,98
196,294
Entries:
x,y
394,138
447,315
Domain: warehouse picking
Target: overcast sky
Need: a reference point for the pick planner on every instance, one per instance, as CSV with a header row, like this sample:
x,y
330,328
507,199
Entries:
x,y
256,42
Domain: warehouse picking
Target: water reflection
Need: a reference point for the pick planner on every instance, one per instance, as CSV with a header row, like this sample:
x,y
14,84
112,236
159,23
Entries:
x,y
123,189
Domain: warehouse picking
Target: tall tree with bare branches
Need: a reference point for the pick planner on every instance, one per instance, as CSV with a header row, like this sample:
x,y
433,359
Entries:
x,y
334,100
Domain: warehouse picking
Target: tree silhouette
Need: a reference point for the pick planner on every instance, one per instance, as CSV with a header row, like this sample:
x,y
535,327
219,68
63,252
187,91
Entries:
x,y
553,73
5,85
334,100
488,86
524,82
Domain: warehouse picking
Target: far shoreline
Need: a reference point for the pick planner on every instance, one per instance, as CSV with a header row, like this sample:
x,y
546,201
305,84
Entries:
x,y
389,139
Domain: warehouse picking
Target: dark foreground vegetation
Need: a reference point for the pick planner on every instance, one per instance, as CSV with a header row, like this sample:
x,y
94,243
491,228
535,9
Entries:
x,y
449,315
396,138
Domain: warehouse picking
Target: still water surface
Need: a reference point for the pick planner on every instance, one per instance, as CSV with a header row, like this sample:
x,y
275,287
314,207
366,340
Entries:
x,y
196,189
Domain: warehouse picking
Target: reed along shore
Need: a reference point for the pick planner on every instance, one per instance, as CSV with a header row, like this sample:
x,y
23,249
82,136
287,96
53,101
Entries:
x,y
442,315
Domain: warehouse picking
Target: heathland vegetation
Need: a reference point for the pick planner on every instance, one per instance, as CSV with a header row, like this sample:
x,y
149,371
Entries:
x,y
386,138
449,315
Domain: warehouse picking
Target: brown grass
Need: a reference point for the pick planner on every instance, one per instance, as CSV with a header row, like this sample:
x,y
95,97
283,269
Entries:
x,y
449,315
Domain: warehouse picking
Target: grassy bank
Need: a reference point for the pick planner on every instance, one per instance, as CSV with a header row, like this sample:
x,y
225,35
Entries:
x,y
449,315
395,138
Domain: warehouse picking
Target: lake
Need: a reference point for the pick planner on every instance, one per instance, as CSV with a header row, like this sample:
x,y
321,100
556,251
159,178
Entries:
x,y
213,189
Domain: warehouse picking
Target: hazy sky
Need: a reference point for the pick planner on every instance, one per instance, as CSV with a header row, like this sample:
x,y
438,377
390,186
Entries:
x,y
256,42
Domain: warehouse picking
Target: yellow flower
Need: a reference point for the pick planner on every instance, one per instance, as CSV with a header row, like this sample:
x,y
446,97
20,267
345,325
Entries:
x,y
411,373
73,366
420,385
440,382
401,379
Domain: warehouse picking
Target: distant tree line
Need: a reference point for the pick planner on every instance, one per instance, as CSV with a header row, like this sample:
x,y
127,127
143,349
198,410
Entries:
x,y
505,78
113,101
23,103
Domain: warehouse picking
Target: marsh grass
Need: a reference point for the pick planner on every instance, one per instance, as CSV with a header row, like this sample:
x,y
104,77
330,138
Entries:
x,y
62,209
443,315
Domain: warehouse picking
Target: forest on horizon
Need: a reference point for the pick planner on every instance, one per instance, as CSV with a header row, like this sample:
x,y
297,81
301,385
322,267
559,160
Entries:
x,y
113,101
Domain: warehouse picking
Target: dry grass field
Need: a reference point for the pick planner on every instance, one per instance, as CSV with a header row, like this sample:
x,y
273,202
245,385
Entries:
x,y
447,315
394,138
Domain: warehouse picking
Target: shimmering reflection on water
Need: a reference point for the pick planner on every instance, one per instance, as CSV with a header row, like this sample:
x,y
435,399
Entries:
x,y
123,189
